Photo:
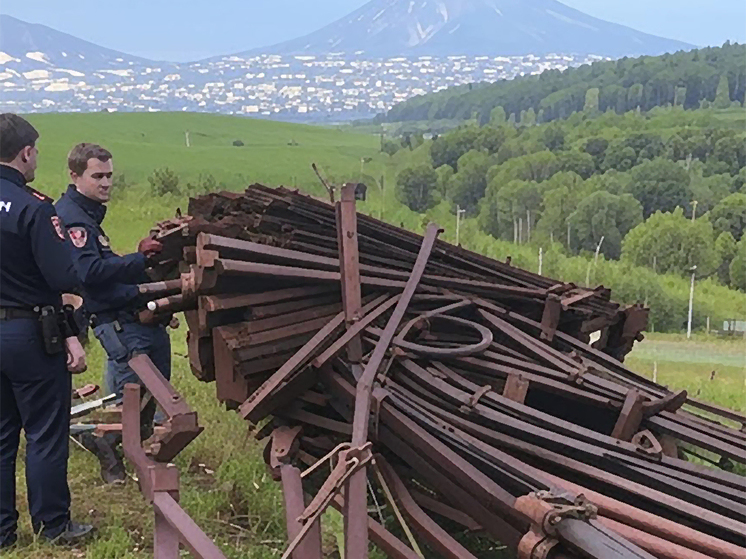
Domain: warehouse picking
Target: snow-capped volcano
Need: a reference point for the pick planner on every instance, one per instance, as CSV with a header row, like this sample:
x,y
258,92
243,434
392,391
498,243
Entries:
x,y
474,27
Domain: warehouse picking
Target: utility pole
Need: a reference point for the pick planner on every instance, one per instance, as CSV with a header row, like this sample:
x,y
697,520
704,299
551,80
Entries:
x,y
186,138
691,303
595,261
382,188
459,211
541,259
520,230
694,209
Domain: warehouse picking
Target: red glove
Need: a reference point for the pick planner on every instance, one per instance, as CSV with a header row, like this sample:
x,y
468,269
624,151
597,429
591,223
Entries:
x,y
149,247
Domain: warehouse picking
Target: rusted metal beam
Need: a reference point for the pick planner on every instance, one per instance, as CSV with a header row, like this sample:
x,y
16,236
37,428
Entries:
x,y
349,267
356,534
630,417
260,402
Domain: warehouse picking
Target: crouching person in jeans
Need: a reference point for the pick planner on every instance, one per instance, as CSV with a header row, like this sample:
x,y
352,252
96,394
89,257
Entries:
x,y
110,294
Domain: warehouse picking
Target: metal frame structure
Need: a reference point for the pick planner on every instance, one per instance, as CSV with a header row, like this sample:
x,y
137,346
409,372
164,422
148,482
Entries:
x,y
447,385
158,478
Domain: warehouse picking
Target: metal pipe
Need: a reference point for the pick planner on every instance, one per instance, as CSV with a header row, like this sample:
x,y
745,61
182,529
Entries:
x,y
662,549
166,303
160,287
654,525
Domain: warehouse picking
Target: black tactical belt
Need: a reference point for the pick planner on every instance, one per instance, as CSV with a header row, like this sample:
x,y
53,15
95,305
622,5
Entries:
x,y
10,313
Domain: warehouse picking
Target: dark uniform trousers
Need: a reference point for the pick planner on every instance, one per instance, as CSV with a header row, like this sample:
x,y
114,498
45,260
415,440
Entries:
x,y
35,393
36,267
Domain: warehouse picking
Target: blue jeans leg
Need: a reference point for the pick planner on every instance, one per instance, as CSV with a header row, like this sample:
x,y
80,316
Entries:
x,y
152,341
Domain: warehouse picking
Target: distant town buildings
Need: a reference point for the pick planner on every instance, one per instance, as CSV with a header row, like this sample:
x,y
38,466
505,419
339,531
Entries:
x,y
308,88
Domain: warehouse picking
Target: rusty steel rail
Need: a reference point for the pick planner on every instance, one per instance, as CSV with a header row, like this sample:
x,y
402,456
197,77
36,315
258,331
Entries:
x,y
467,377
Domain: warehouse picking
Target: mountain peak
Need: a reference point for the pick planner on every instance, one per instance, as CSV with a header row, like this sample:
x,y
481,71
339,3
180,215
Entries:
x,y
384,28
22,40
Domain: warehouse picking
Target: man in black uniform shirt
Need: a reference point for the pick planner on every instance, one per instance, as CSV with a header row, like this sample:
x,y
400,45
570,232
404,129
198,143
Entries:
x,y
36,267
110,293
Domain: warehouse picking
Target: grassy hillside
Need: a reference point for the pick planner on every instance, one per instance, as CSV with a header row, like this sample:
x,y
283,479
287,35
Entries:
x,y
143,142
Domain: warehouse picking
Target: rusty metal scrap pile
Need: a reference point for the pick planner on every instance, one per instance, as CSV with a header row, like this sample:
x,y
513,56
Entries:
x,y
442,396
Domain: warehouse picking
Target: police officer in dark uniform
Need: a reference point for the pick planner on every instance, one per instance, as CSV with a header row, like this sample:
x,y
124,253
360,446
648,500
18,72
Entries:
x,y
35,383
110,292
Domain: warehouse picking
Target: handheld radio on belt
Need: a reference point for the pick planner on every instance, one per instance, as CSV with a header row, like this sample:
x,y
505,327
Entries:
x,y
50,331
56,326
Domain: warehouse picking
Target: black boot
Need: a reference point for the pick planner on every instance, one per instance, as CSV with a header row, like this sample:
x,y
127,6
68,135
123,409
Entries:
x,y
70,534
105,449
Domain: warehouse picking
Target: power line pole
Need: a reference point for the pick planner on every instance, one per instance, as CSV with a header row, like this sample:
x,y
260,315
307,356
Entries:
x,y
541,259
459,211
691,304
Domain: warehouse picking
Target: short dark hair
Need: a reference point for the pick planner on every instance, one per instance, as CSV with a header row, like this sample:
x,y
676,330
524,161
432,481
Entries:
x,y
15,134
77,160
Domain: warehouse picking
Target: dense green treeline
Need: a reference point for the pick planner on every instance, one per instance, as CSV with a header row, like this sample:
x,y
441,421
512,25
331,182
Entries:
x,y
663,191
695,79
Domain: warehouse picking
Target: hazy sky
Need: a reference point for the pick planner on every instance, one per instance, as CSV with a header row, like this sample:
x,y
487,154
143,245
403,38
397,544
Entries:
x,y
186,30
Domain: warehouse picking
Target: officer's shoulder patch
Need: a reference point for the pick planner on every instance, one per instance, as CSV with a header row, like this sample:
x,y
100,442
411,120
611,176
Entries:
x,y
57,224
79,236
38,195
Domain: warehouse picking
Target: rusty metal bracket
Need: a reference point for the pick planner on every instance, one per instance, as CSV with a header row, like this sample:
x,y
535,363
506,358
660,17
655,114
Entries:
x,y
671,403
516,388
350,461
159,483
579,509
630,416
648,444
182,426
284,442
469,406
535,545
474,399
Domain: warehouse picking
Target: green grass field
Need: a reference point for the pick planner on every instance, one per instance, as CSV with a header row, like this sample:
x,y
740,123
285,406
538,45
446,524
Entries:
x,y
225,486
142,142
689,364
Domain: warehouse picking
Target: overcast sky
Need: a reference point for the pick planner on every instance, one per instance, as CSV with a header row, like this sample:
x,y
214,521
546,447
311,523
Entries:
x,y
187,30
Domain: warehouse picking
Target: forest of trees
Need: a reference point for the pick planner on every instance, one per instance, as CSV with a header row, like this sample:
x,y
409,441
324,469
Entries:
x,y
665,190
703,78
